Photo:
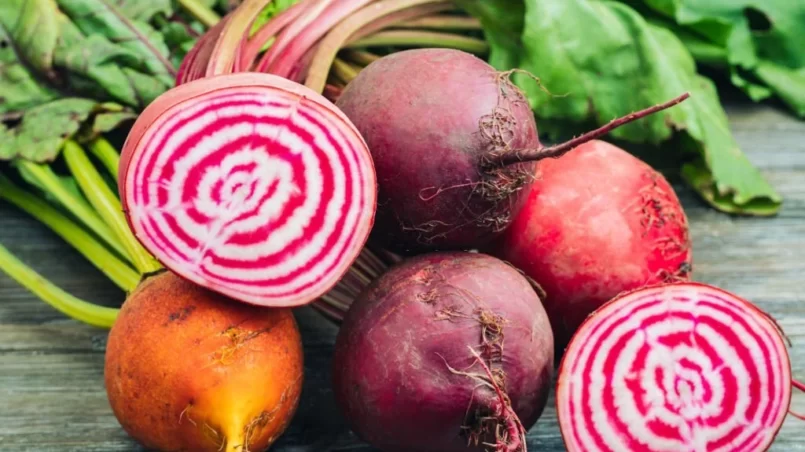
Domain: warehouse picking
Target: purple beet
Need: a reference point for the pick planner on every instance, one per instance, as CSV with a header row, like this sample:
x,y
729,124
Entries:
x,y
454,143
445,352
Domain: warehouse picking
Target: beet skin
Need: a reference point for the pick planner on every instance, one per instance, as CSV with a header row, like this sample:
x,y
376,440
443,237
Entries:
x,y
409,361
597,222
189,369
429,116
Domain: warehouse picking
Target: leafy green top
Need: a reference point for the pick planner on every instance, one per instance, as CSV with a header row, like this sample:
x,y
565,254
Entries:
x,y
597,60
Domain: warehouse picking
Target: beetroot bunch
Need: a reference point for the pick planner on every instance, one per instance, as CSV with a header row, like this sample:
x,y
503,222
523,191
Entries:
x,y
409,197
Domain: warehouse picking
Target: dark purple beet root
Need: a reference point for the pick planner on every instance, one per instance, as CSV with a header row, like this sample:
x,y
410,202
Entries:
x,y
428,116
445,352
453,142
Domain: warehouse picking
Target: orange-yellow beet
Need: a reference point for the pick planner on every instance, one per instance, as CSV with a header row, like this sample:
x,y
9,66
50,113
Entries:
x,y
188,369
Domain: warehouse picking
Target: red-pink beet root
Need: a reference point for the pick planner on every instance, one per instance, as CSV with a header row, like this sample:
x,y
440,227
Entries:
x,y
451,140
682,366
597,222
428,115
250,185
445,352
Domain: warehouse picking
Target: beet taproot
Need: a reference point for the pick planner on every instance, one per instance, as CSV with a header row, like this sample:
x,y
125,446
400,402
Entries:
x,y
597,222
679,366
189,369
250,185
444,352
453,142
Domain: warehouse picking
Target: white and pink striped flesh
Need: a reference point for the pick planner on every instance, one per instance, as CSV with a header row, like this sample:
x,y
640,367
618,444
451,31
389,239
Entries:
x,y
250,185
679,367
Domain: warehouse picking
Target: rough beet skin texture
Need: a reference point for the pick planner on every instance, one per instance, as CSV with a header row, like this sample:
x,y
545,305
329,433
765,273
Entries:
x,y
597,222
408,372
188,369
429,116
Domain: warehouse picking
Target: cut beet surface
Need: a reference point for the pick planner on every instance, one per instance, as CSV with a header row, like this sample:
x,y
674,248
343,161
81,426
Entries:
x,y
680,367
250,185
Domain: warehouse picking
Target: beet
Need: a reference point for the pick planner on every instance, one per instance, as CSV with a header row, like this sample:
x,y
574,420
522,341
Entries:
x,y
250,185
450,137
597,222
683,366
415,353
189,369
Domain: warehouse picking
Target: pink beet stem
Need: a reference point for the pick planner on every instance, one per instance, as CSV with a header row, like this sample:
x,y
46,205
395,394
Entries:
x,y
525,155
398,17
268,31
299,46
332,43
289,34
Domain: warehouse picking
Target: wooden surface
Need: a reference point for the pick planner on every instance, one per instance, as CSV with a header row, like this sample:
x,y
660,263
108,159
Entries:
x,y
51,387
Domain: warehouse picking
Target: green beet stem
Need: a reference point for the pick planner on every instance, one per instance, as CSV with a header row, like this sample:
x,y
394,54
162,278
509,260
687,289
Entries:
x,y
77,205
104,260
107,154
200,12
69,305
442,22
418,38
107,205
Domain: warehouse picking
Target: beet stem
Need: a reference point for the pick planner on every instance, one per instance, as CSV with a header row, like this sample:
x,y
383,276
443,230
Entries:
x,y
73,307
230,41
421,38
75,203
509,157
107,205
268,31
200,12
102,258
442,22
333,41
344,71
107,154
334,314
359,57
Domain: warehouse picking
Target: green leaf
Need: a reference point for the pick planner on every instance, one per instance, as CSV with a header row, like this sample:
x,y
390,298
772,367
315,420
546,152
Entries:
x,y
39,133
789,84
179,41
503,23
35,30
758,36
603,60
144,10
101,17
18,87
102,70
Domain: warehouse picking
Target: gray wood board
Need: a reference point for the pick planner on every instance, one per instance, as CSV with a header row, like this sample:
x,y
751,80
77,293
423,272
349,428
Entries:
x,y
51,369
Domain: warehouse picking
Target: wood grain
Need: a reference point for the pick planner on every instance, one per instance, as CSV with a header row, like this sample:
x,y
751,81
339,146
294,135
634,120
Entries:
x,y
51,369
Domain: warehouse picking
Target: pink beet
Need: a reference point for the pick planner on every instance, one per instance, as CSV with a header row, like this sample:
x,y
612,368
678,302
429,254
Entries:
x,y
249,185
597,222
673,367
453,141
416,351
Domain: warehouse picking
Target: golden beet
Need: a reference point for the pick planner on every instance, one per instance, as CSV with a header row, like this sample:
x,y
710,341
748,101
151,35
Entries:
x,y
189,369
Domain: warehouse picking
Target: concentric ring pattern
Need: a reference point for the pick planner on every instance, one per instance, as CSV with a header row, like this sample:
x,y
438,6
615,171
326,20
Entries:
x,y
685,367
259,193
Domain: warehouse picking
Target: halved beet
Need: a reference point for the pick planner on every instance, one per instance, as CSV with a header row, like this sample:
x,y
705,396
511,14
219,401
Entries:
x,y
250,185
684,366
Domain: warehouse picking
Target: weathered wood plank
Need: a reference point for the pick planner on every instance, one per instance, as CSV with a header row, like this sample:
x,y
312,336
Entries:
x,y
51,369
